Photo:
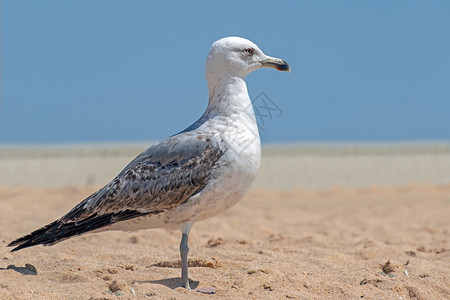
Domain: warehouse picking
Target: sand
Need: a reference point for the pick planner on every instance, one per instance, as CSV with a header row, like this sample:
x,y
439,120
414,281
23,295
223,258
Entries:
x,y
335,243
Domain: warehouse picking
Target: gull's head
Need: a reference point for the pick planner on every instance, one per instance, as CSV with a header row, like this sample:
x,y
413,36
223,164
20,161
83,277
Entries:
x,y
237,56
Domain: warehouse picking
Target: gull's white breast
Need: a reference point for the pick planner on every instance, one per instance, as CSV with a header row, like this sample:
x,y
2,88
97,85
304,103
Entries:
x,y
237,169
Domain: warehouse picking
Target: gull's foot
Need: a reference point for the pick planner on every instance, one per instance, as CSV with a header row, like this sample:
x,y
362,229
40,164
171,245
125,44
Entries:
x,y
186,286
190,285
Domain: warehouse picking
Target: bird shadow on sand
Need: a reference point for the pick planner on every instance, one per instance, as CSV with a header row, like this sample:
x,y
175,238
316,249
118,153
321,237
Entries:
x,y
171,283
27,270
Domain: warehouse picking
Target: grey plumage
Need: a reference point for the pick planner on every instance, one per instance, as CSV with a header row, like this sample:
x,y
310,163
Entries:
x,y
162,177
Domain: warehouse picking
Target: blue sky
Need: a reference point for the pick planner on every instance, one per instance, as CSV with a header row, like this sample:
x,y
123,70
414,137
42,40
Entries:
x,y
101,71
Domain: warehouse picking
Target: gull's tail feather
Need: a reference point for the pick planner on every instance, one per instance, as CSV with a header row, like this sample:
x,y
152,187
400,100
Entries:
x,y
58,230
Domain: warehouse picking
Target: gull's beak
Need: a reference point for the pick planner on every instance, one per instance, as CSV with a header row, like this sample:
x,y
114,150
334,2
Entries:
x,y
276,63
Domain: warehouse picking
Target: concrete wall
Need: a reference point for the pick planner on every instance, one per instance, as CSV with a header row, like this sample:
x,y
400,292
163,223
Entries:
x,y
283,167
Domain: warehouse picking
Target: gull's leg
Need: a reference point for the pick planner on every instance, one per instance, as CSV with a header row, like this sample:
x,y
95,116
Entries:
x,y
184,250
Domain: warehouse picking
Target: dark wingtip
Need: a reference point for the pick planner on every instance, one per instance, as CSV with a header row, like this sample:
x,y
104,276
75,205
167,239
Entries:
x,y
20,243
18,247
58,231
23,242
32,239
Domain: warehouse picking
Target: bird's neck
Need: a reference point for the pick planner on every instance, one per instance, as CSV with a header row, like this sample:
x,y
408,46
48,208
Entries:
x,y
229,105
228,95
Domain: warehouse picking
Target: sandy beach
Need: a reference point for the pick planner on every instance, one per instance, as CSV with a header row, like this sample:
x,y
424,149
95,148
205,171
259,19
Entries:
x,y
354,239
371,243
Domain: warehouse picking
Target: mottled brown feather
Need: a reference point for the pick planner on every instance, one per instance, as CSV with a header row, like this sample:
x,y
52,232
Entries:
x,y
164,176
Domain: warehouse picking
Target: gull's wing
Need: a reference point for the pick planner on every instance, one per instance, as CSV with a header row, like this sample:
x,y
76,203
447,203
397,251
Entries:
x,y
162,177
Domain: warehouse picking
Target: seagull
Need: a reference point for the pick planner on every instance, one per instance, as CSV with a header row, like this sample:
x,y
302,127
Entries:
x,y
193,175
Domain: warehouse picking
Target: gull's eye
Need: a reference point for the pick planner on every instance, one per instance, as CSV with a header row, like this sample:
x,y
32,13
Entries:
x,y
248,51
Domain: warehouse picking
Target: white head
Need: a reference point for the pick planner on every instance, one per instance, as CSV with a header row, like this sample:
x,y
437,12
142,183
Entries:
x,y
237,56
